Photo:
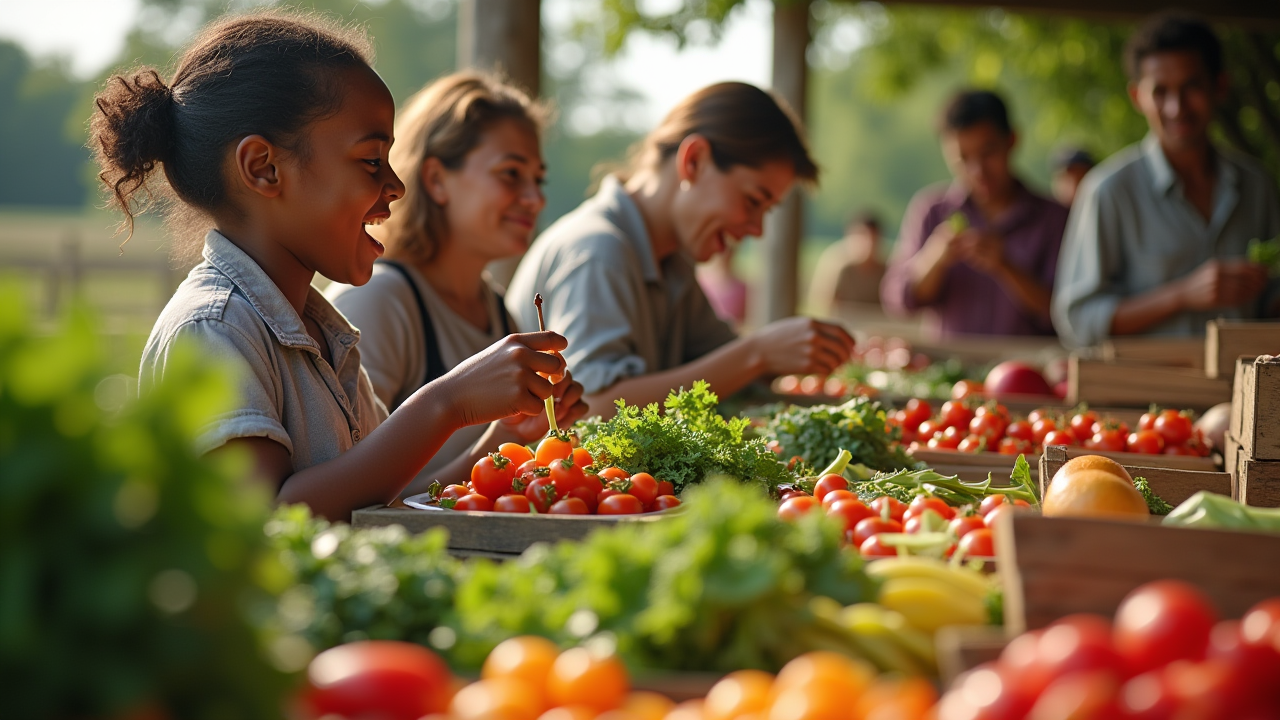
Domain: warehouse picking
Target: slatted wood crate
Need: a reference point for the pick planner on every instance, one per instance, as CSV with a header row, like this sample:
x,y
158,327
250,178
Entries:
x,y
1133,384
1253,437
1227,340
1172,484
974,467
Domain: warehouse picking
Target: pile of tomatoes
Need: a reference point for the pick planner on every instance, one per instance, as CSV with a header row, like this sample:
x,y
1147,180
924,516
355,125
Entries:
x,y
864,524
559,479
969,426
1165,656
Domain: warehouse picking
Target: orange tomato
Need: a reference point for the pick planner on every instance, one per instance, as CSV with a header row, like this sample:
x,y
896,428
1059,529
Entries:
x,y
553,447
569,712
687,710
515,452
614,473
642,705
582,458
526,658
738,693
506,698
583,677
1093,493
818,686
896,699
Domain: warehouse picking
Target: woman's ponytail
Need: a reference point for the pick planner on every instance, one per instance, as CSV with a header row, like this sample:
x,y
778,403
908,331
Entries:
x,y
131,135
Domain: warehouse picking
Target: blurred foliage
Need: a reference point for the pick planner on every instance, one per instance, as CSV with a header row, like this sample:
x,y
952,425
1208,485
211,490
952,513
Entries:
x,y
130,568
41,137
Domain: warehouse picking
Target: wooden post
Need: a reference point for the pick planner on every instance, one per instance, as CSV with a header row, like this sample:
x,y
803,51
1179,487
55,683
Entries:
x,y
784,227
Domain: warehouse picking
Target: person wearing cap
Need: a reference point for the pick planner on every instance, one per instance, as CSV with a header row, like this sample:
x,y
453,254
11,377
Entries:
x,y
977,256
1158,238
1069,168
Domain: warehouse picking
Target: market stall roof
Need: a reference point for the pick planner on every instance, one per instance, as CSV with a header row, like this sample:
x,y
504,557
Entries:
x,y
1229,11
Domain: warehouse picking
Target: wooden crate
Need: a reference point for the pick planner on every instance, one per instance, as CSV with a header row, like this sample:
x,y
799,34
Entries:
x,y
1175,352
1255,407
1053,567
961,648
496,534
1172,484
1226,340
1257,482
974,467
1132,384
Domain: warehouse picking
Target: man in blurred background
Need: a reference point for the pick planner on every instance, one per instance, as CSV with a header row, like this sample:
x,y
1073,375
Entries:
x,y
849,270
1069,167
977,256
1158,236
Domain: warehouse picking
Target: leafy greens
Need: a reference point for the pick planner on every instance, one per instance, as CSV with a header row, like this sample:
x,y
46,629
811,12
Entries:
x,y
817,434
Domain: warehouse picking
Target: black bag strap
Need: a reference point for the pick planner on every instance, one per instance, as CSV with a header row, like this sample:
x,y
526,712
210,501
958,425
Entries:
x,y
435,363
502,313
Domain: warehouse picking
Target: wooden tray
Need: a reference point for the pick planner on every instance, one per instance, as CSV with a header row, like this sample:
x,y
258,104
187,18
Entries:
x,y
1255,407
1174,352
1173,485
1053,567
1226,340
1134,384
477,532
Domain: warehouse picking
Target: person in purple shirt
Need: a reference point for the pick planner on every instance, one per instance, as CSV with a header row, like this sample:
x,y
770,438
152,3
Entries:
x,y
977,256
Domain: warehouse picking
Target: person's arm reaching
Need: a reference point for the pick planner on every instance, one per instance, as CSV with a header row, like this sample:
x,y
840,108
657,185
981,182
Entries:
x,y
1215,284
985,252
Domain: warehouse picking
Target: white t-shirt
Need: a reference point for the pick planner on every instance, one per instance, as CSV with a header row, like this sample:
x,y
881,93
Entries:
x,y
393,349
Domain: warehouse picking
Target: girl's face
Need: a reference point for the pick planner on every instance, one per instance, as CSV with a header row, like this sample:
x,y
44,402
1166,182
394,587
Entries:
x,y
342,183
491,203
717,208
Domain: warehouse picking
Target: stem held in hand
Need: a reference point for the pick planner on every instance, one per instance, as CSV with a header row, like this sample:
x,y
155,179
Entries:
x,y
549,402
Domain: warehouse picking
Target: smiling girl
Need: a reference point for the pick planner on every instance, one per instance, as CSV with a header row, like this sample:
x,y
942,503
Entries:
x,y
470,157
618,272
275,129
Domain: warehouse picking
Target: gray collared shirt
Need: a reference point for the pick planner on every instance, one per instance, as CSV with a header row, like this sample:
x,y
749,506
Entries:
x,y
623,313
1132,230
230,309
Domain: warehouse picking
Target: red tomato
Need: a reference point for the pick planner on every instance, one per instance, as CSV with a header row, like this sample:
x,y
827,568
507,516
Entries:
x,y
511,504
972,444
644,487
1261,625
473,502
1147,442
920,503
382,678
454,492
966,389
896,507
1080,695
1020,663
1207,689
553,447
1020,430
1178,450
1174,426
492,474
850,512
1148,419
569,506
793,508
1013,446
948,439
1077,643
1107,424
666,502
542,494
1147,697
827,483
962,526
956,414
621,504
1042,427
991,502
873,526
606,493
834,495
665,488
1038,414
1161,622
988,425
610,474
566,475
1254,666
1060,437
985,693
928,429
978,543
916,412
1110,438
515,452
793,493
873,547
590,497
1082,425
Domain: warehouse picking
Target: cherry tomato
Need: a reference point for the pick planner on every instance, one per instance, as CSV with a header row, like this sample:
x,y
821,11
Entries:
x,y
1161,622
585,677
920,503
566,475
793,508
916,412
569,506
610,474
986,692
827,483
874,547
1060,437
1147,442
928,429
590,497
606,493
542,494
1041,428
473,502
872,526
1148,419
1020,430
1077,643
665,488
515,452
1254,666
1209,687
454,492
582,458
972,444
912,523
511,504
1174,426
620,504
1038,414
1107,424
962,526
665,502
1014,446
991,502
988,425
896,507
948,439
956,414
834,495
1107,437
1082,425
849,511
492,474
978,543
553,447
966,389
1261,625
793,493
739,693
644,487
1178,450
382,678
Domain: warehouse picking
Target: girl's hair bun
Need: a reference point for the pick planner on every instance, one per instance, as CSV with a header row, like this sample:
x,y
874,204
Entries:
x,y
132,134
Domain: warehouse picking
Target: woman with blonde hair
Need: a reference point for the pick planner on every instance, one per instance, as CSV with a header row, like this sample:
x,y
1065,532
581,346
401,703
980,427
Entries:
x,y
467,148
618,272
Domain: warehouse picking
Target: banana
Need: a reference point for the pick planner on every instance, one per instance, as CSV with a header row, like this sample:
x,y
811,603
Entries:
x,y
916,642
962,579
928,603
873,628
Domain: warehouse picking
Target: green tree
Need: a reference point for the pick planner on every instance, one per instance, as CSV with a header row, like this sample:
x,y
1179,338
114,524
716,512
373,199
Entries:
x,y
41,146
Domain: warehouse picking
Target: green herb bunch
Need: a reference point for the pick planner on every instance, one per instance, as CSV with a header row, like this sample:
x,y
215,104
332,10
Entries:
x,y
1155,504
684,443
130,568
724,585
818,433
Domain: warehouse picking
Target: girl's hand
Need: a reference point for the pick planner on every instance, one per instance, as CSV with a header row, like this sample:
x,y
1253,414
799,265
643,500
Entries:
x,y
569,409
503,380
